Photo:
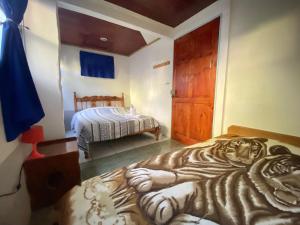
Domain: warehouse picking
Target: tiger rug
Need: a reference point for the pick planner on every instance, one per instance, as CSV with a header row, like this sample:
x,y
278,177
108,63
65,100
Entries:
x,y
238,181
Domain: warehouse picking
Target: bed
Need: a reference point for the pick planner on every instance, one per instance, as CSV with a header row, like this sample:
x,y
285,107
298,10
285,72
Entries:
x,y
245,177
103,118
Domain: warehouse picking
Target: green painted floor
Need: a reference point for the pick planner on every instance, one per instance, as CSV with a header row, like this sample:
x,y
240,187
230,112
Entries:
x,y
109,163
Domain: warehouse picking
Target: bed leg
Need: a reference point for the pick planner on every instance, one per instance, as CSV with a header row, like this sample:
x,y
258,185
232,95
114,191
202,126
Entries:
x,y
157,133
86,154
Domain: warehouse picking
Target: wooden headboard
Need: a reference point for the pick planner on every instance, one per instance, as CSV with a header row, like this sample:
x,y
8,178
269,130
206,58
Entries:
x,y
246,131
85,102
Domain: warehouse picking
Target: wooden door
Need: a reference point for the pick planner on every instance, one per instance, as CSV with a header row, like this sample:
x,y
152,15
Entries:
x,y
195,59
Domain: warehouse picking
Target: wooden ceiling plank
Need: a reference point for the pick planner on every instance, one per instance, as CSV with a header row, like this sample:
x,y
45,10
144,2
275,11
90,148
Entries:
x,y
85,31
169,12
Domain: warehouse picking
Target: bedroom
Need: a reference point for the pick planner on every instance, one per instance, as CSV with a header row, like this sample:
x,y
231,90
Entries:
x,y
258,60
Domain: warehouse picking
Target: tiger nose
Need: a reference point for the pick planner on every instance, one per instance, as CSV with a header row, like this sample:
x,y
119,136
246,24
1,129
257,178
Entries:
x,y
244,150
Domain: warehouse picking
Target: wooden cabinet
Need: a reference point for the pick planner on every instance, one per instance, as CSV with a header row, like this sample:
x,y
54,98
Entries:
x,y
50,177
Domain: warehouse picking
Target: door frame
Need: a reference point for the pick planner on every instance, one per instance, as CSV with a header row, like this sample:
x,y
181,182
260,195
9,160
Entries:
x,y
220,9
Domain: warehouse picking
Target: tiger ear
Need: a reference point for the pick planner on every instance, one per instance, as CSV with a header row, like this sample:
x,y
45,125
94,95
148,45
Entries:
x,y
278,150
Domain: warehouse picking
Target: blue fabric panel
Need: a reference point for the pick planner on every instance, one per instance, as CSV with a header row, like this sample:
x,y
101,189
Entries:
x,y
21,107
96,65
14,9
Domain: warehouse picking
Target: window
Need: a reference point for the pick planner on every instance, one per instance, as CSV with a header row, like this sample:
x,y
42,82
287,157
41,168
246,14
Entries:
x,y
97,65
2,18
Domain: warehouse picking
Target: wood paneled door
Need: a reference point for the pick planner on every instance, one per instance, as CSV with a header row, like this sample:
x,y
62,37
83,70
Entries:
x,y
195,61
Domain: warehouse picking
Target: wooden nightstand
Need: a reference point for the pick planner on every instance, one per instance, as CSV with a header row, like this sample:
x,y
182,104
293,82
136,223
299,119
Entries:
x,y
50,177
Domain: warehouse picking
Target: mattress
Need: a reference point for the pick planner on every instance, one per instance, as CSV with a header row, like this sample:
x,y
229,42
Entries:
x,y
108,123
233,181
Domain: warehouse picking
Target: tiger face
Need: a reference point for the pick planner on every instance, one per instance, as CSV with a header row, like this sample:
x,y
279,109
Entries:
x,y
244,151
278,178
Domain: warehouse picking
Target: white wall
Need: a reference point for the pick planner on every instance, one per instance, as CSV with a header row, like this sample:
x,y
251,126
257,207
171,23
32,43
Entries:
x,y
150,88
42,46
14,209
263,86
88,86
6,148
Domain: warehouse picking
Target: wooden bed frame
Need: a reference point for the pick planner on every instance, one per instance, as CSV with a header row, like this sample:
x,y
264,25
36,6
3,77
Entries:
x,y
245,131
91,101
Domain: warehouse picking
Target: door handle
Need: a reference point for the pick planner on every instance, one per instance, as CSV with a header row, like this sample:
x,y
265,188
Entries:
x,y
173,93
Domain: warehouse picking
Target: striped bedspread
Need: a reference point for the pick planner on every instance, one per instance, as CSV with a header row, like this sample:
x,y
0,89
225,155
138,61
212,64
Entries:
x,y
108,123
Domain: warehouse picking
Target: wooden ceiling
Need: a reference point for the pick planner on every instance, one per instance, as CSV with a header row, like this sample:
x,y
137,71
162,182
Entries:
x,y
85,31
169,12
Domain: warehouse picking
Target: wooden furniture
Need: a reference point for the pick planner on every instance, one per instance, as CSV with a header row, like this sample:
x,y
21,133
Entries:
x,y
85,102
50,177
251,132
195,62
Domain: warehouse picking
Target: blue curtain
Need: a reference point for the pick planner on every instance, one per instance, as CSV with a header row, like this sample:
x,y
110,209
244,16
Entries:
x,y
21,107
96,65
